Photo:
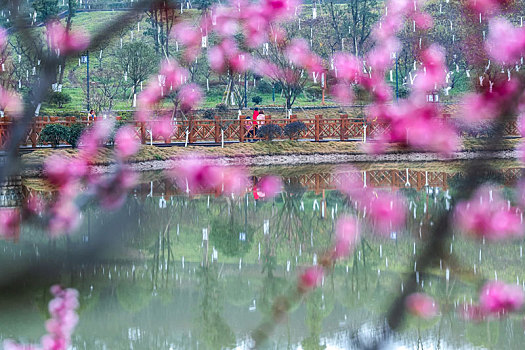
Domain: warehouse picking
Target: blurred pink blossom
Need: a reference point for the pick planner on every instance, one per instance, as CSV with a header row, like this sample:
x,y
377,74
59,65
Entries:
x,y
342,93
195,174
279,9
112,190
386,211
346,235
488,215
434,73
127,143
421,305
60,170
11,103
175,75
348,67
270,186
500,298
190,96
65,218
9,223
311,277
471,312
235,180
423,20
162,127
505,43
59,38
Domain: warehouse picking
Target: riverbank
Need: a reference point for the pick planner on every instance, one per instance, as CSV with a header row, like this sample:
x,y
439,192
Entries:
x,y
270,154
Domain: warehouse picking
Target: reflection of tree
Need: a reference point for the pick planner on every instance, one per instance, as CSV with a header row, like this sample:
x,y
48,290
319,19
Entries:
x,y
225,234
317,309
213,330
133,296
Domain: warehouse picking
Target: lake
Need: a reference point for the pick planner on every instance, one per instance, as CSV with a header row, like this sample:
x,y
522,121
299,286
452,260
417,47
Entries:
x,y
172,272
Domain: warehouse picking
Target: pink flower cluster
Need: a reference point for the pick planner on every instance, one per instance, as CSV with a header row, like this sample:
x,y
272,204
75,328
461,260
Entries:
x,y
60,326
65,41
226,56
495,299
299,53
71,175
197,175
488,215
415,124
421,305
387,211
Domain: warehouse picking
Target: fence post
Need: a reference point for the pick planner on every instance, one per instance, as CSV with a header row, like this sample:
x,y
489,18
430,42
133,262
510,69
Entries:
x,y
191,128
343,125
142,133
317,127
217,130
242,130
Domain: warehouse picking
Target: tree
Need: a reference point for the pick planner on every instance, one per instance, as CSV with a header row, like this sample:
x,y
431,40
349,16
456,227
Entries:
x,y
45,9
161,17
138,61
59,99
107,86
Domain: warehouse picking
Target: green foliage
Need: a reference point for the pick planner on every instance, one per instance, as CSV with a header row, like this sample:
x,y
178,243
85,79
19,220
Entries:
x,y
208,114
269,131
264,87
45,9
59,99
222,110
293,130
54,134
74,133
257,100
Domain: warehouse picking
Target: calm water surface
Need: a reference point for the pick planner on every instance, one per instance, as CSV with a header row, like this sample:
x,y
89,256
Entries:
x,y
202,273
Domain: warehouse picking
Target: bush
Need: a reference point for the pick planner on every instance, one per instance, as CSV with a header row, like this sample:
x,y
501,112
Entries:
x,y
53,134
59,99
269,131
293,130
74,133
209,114
257,99
222,110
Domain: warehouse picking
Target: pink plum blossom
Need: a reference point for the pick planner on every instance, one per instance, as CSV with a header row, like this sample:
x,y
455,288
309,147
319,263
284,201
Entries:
x,y
235,180
505,43
423,20
342,93
434,72
346,235
488,215
421,305
311,277
3,37
127,143
500,298
61,171
9,223
66,42
60,326
386,211
270,186
348,67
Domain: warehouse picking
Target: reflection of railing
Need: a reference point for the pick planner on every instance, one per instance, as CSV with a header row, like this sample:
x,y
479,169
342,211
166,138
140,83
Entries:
x,y
391,178
194,130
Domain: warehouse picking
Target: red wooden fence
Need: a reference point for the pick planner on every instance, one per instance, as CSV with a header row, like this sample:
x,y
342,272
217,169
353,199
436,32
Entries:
x,y
217,130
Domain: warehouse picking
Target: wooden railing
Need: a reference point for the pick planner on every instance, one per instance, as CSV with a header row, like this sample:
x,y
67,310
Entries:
x,y
217,130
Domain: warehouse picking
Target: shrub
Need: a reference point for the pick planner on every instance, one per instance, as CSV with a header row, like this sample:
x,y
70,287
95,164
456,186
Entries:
x,y
257,99
269,131
222,110
59,99
74,133
209,114
293,130
53,134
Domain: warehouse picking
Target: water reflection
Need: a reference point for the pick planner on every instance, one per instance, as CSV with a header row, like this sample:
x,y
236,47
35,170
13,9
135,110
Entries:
x,y
202,273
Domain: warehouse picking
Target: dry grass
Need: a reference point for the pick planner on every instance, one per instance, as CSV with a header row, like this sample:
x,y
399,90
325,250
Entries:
x,y
149,153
